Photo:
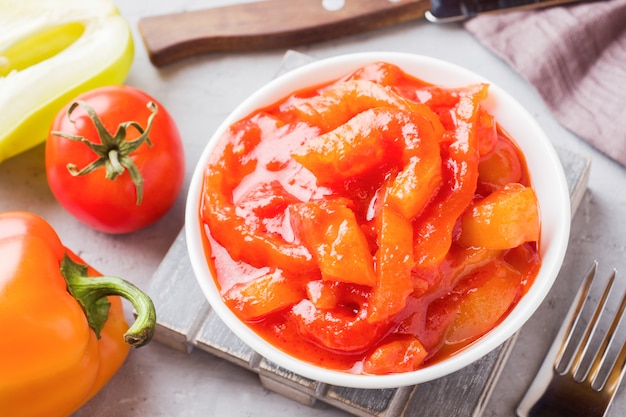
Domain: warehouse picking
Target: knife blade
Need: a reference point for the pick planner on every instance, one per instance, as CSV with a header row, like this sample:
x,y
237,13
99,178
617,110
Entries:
x,y
274,24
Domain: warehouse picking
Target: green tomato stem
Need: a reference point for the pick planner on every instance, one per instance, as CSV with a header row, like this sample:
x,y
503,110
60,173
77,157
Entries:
x,y
115,162
113,152
91,293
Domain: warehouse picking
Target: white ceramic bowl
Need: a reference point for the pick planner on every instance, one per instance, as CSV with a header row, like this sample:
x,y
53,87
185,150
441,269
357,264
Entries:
x,y
546,174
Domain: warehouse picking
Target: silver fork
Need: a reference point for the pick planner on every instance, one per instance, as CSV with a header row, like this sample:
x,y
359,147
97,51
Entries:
x,y
563,387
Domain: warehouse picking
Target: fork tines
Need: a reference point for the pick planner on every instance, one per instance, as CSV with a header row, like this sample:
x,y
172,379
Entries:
x,y
562,384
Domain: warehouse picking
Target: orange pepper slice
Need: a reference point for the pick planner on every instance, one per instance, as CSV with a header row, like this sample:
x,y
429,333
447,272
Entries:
x,y
504,219
331,232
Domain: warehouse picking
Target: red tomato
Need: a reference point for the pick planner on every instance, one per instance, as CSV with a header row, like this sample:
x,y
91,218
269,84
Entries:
x,y
122,204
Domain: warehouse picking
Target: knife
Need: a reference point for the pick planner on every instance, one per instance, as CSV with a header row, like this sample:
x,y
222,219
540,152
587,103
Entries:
x,y
274,24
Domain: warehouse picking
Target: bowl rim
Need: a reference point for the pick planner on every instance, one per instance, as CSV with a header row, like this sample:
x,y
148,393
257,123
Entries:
x,y
543,156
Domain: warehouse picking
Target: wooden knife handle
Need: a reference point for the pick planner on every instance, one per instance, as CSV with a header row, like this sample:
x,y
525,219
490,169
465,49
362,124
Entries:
x,y
267,25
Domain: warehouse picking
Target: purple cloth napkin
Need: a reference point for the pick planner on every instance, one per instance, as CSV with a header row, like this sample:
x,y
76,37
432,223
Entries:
x,y
575,56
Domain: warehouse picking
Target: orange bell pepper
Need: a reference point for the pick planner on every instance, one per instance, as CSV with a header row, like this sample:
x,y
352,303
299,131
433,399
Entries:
x,y
63,329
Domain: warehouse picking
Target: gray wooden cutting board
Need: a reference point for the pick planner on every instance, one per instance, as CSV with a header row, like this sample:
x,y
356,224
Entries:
x,y
185,322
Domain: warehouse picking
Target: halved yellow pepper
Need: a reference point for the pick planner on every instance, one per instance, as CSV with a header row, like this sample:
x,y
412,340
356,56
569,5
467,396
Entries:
x,y
51,51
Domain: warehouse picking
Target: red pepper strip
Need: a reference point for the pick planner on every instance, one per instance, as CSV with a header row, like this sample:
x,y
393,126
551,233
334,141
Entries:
x,y
361,144
433,233
331,232
265,295
401,353
394,262
340,102
344,328
244,241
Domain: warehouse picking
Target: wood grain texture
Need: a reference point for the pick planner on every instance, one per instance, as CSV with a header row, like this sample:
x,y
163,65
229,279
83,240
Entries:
x,y
267,25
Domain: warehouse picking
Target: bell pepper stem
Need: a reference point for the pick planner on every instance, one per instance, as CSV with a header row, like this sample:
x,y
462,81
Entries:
x,y
91,293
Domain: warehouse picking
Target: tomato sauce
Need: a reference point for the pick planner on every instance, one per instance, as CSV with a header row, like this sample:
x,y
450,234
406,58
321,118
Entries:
x,y
375,224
